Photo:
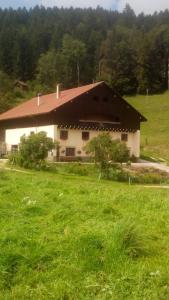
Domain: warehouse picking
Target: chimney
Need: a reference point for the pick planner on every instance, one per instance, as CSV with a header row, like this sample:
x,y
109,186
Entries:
x,y
38,102
57,91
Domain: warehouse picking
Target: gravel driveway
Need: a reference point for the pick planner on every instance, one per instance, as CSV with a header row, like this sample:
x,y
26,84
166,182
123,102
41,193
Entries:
x,y
158,166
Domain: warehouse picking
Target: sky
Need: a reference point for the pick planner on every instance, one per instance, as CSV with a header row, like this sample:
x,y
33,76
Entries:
x,y
146,6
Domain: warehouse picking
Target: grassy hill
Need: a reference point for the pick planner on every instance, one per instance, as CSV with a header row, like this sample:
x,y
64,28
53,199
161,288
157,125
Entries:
x,y
68,237
155,132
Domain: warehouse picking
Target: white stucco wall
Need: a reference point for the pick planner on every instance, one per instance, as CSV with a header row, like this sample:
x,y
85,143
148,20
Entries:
x,y
75,141
12,136
134,143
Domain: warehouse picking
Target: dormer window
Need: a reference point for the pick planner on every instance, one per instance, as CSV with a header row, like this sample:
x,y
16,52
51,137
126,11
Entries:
x,y
63,135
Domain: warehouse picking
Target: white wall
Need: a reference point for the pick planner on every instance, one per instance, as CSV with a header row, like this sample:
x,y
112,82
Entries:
x,y
75,141
12,136
134,143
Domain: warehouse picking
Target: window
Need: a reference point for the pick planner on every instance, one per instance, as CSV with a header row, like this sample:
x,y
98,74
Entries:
x,y
85,135
117,119
70,152
124,137
63,134
96,98
105,99
14,148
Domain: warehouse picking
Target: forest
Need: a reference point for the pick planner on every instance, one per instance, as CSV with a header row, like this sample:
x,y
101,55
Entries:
x,y
45,46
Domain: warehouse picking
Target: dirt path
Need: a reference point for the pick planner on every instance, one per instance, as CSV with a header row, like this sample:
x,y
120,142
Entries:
x,y
15,170
3,167
166,187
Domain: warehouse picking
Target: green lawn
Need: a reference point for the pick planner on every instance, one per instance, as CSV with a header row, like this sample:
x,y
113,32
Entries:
x,y
74,237
155,132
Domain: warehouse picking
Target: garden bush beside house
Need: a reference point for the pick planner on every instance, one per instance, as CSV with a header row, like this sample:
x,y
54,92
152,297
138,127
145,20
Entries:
x,y
33,151
106,152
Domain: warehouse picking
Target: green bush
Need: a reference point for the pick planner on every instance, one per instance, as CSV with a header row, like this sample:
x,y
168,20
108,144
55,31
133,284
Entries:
x,y
118,174
153,178
107,151
33,150
14,158
78,169
148,176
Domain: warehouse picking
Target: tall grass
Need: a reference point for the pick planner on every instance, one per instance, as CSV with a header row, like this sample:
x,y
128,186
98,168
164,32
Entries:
x,y
129,238
72,237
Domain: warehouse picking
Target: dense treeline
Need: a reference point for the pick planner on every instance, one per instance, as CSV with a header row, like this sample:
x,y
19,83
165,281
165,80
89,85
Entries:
x,y
76,46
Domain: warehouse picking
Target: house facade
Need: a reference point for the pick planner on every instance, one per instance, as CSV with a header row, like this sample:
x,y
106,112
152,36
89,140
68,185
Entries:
x,y
73,117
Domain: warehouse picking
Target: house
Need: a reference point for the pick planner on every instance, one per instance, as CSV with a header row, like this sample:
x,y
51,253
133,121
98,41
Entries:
x,y
20,84
73,117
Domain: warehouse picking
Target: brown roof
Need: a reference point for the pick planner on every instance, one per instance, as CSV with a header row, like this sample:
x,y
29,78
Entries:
x,y
48,103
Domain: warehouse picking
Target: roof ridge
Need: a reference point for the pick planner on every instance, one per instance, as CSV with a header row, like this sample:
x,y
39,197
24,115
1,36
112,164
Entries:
x,y
30,107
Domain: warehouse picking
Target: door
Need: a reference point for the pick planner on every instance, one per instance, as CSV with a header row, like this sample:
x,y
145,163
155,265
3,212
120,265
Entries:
x,y
70,152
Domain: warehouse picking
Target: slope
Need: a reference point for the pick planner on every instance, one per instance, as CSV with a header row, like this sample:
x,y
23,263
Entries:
x,y
155,132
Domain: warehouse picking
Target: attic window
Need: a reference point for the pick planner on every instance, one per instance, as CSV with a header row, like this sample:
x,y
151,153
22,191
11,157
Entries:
x,y
117,119
63,134
105,99
124,137
96,98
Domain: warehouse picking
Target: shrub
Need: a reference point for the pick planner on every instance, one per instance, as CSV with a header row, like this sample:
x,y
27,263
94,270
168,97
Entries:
x,y
106,151
15,158
33,150
148,176
78,169
118,174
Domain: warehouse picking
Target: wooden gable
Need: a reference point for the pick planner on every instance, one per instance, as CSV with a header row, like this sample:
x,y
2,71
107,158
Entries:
x,y
99,108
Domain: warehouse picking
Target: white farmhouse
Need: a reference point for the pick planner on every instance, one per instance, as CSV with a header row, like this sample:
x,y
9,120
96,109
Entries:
x,y
73,117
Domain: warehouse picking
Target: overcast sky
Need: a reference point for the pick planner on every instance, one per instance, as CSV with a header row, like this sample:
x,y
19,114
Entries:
x,y
147,6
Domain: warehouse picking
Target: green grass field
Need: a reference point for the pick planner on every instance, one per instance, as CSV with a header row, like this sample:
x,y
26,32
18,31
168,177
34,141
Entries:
x,y
155,132
71,237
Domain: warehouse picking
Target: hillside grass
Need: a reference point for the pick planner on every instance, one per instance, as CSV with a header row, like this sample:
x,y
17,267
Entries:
x,y
71,237
154,132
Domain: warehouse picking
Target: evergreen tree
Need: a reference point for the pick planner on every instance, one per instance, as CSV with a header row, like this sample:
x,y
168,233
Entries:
x,y
76,46
120,61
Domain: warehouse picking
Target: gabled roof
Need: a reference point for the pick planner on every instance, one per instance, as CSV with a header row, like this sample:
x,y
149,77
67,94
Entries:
x,y
48,103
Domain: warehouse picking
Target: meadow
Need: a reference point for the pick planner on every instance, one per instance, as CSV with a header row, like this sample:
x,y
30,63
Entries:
x,y
155,132
68,237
